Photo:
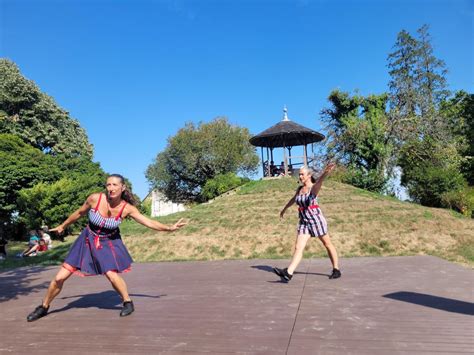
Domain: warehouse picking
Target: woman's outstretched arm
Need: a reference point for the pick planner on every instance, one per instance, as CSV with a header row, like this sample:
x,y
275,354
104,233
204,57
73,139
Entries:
x,y
75,215
150,223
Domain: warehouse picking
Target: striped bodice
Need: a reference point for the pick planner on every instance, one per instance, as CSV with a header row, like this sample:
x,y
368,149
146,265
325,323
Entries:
x,y
306,200
99,221
100,224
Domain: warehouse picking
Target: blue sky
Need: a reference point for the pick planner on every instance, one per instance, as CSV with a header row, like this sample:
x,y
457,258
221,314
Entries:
x,y
133,72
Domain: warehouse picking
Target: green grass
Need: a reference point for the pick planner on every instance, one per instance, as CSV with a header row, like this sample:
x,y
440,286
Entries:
x,y
54,256
466,251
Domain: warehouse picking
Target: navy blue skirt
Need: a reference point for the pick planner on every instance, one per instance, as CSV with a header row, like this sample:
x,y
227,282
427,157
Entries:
x,y
92,254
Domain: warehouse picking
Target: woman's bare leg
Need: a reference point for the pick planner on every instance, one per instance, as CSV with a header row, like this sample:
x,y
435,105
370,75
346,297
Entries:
x,y
331,250
56,286
119,285
301,241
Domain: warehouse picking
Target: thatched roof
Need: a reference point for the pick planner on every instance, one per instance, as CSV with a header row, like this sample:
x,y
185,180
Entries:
x,y
286,133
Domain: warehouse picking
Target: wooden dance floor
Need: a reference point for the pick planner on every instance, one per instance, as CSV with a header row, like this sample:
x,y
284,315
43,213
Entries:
x,y
393,305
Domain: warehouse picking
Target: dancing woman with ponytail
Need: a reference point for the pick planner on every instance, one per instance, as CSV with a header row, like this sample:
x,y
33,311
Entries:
x,y
311,221
99,249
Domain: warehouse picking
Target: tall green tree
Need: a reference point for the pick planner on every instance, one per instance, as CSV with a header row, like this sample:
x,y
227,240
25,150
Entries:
x,y
27,112
417,87
21,166
430,76
197,154
358,136
432,140
402,63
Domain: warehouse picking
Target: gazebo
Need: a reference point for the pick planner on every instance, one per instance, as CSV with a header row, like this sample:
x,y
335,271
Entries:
x,y
285,134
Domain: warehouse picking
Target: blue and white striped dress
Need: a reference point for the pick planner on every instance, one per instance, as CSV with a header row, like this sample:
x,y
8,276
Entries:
x,y
312,220
99,248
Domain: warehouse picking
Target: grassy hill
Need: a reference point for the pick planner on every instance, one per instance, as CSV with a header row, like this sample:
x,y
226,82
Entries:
x,y
246,224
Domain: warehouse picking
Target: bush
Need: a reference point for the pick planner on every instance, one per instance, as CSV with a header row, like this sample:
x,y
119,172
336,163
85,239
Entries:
x,y
430,170
368,180
145,207
460,200
340,174
221,184
52,203
432,183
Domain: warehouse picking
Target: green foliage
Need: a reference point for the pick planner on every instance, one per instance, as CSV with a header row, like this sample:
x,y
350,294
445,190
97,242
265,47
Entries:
x,y
196,154
460,200
417,87
27,112
40,188
358,136
21,166
221,184
46,170
371,180
430,170
459,113
402,64
145,207
434,134
52,203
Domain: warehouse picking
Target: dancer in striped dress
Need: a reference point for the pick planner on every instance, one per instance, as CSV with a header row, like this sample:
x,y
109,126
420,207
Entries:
x,y
99,249
311,221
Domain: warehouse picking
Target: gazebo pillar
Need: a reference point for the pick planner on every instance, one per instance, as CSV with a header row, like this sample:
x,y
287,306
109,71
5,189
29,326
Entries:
x,y
305,156
269,170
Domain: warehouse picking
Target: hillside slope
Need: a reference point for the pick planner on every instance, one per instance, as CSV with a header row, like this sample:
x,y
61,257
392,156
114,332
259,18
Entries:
x,y
246,224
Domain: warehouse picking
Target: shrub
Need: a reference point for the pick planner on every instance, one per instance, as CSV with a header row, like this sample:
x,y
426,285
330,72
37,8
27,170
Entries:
x,y
460,200
221,184
52,203
432,182
145,207
371,180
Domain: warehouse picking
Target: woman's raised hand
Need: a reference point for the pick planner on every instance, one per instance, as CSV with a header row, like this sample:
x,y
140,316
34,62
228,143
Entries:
x,y
329,168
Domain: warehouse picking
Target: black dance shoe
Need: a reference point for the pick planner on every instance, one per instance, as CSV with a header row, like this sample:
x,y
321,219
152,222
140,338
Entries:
x,y
127,309
283,273
336,273
38,313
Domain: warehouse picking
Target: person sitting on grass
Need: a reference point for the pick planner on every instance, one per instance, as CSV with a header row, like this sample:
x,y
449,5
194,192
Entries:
x,y
32,244
46,237
37,248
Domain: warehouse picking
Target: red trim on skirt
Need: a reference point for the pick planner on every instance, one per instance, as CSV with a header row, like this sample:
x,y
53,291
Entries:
x,y
78,272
